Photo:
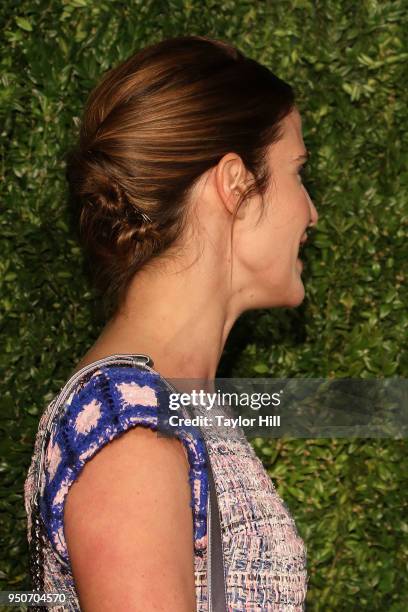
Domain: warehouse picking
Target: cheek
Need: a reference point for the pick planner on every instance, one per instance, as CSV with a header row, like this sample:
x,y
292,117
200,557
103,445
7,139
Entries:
x,y
272,244
292,210
267,250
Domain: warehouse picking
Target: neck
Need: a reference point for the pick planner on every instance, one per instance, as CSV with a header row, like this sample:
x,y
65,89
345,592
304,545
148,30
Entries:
x,y
181,321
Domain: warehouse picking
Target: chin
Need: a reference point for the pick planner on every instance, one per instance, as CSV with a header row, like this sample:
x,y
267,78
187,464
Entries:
x,y
297,292
293,296
296,300
289,299
280,294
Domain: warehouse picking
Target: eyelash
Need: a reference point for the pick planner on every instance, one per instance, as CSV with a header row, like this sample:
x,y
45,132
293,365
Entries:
x,y
301,170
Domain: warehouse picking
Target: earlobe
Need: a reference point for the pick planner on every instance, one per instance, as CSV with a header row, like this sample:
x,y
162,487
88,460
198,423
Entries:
x,y
241,205
231,201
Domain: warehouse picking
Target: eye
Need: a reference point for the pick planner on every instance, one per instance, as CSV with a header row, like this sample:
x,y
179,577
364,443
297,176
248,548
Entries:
x,y
301,171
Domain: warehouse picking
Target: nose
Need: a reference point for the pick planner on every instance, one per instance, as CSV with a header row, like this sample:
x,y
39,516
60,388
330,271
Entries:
x,y
314,217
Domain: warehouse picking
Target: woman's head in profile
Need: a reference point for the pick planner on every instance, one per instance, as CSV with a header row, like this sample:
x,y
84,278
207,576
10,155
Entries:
x,y
189,157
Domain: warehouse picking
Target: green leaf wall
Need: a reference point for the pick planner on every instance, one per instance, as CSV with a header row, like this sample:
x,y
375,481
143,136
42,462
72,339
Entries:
x,y
347,61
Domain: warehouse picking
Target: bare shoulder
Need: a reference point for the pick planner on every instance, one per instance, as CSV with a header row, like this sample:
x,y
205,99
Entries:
x,y
129,528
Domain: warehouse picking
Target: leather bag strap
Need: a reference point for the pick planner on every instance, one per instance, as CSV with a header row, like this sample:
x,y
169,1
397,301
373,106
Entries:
x,y
217,597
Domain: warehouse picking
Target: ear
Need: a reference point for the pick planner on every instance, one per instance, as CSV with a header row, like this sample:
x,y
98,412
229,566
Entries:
x,y
230,177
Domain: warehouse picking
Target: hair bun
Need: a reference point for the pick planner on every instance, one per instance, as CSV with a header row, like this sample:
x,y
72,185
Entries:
x,y
120,220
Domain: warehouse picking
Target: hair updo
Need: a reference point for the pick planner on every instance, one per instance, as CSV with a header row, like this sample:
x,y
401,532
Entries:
x,y
151,127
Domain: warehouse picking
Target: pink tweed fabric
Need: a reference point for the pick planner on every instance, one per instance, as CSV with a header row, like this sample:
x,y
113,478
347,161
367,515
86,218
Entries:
x,y
265,558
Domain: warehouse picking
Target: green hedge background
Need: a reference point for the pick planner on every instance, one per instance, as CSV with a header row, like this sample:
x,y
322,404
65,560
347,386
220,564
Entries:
x,y
347,60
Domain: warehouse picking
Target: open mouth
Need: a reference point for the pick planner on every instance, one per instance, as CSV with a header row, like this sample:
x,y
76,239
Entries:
x,y
303,239
301,246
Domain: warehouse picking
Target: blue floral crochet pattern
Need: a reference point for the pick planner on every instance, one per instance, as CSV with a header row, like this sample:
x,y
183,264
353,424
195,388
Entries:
x,y
102,406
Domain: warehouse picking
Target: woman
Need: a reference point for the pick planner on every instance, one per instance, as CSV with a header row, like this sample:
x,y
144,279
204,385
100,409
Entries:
x,y
191,209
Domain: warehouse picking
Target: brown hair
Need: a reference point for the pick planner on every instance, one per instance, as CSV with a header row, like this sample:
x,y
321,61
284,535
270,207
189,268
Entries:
x,y
151,127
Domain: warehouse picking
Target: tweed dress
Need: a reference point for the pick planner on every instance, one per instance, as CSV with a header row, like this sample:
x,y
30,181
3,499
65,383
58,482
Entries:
x,y
264,556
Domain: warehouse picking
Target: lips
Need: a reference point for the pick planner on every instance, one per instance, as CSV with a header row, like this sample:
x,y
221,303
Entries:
x,y
302,242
